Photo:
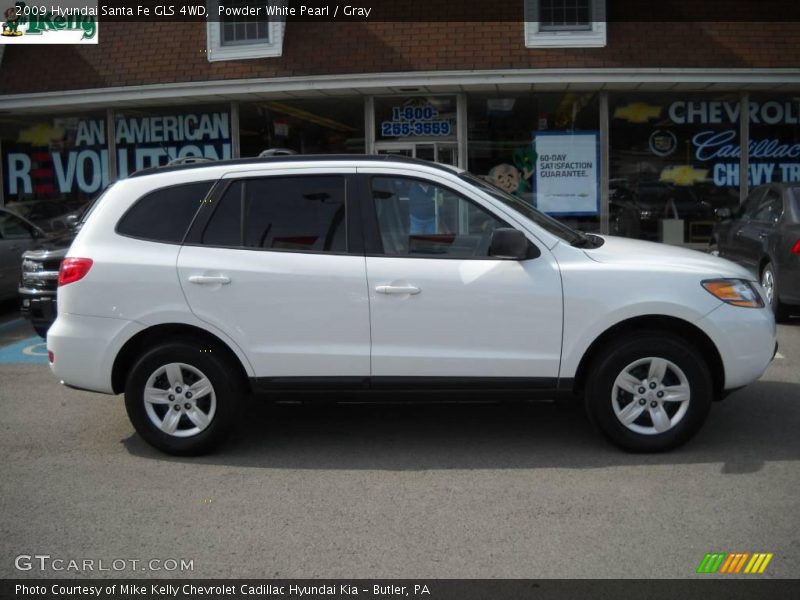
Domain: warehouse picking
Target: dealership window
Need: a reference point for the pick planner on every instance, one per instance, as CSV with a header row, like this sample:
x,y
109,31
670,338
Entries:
x,y
240,29
565,23
774,139
313,126
152,137
674,160
543,148
53,164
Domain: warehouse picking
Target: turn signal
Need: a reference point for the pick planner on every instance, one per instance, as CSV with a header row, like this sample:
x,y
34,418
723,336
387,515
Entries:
x,y
734,291
73,269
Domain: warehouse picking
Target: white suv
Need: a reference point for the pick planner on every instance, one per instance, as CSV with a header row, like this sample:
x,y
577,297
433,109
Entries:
x,y
189,288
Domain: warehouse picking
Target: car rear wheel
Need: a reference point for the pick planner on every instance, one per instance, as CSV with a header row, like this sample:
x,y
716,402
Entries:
x,y
770,284
649,392
182,398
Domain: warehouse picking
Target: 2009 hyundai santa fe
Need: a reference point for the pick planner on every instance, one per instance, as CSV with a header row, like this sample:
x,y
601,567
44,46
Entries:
x,y
190,287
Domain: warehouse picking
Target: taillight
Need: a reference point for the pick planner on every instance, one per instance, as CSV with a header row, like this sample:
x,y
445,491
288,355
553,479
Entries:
x,y
73,269
796,247
51,357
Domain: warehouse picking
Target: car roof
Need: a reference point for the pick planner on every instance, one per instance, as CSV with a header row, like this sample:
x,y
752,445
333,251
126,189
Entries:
x,y
298,158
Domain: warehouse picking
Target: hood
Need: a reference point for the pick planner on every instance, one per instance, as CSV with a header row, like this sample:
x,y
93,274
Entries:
x,y
620,250
53,243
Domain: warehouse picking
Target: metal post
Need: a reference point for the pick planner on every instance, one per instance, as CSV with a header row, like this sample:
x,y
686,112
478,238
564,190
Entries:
x,y
111,144
236,146
2,180
462,130
744,144
369,125
605,146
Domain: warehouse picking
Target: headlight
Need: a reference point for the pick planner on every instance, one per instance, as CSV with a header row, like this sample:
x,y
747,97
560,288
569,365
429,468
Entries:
x,y
734,291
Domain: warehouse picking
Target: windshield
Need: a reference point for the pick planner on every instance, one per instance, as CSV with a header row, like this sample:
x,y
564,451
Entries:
x,y
557,228
22,209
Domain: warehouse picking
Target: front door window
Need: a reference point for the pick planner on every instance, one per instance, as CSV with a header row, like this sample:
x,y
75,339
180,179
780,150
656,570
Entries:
x,y
419,218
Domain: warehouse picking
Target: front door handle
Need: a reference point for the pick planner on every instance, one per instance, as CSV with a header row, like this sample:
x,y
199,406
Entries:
x,y
209,279
398,289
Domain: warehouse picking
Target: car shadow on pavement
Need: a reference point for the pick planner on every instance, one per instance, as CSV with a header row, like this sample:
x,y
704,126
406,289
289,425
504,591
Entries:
x,y
748,429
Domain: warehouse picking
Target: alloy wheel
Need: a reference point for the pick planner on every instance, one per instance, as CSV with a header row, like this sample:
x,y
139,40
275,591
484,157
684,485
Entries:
x,y
768,283
651,395
179,400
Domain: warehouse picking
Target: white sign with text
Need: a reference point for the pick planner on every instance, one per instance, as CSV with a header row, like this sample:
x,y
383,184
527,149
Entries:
x,y
567,172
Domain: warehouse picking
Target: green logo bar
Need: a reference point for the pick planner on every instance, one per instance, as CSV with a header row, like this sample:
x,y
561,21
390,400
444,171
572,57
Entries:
x,y
711,562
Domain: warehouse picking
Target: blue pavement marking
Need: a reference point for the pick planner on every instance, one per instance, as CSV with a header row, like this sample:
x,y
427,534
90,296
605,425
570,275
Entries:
x,y
30,351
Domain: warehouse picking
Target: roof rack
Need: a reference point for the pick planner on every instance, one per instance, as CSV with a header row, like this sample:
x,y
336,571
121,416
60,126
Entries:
x,y
277,152
377,158
188,160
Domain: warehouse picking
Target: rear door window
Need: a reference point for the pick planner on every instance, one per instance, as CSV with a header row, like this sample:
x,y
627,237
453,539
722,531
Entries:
x,y
301,214
165,214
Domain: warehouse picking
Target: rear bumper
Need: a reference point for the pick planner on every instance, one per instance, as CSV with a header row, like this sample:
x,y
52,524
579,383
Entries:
x,y
746,340
84,349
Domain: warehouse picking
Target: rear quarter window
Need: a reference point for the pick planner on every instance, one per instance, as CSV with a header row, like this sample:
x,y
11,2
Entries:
x,y
165,214
795,200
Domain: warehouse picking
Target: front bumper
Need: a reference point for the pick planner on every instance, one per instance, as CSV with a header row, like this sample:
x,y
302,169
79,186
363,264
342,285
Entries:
x,y
40,309
746,340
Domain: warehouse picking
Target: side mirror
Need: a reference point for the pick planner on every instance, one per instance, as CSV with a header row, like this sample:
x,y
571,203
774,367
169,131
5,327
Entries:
x,y
510,244
723,213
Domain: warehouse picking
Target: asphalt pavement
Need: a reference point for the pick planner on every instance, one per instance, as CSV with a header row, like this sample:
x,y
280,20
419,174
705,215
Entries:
x,y
418,491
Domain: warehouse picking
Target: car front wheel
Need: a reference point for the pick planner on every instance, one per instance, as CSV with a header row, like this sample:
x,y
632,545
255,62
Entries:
x,y
649,392
183,398
770,284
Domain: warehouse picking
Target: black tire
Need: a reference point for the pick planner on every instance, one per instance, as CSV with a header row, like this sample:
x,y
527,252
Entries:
x,y
41,331
614,359
228,393
779,309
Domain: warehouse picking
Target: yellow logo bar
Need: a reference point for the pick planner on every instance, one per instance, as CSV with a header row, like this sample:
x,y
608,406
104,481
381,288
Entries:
x,y
758,563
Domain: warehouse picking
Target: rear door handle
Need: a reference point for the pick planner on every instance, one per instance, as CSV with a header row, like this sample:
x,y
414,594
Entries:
x,y
209,279
397,289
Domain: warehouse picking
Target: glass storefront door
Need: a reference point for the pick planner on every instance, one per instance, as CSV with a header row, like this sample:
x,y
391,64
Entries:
x,y
424,127
441,152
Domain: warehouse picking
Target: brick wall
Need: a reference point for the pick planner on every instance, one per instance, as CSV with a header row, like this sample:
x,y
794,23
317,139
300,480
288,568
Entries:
x,y
175,52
